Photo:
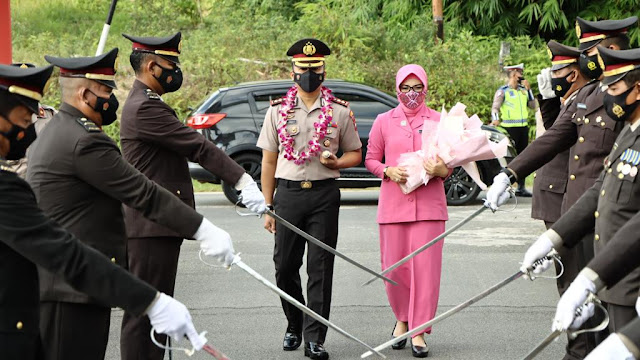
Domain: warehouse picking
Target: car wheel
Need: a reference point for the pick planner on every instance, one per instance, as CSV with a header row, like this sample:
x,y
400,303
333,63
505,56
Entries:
x,y
252,165
460,187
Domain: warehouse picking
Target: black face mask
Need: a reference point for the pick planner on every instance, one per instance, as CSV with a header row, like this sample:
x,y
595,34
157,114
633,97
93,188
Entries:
x,y
19,140
309,81
107,108
616,106
561,85
589,66
170,79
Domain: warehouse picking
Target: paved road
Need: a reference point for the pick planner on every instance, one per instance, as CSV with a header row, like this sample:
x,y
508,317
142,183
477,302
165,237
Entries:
x,y
245,321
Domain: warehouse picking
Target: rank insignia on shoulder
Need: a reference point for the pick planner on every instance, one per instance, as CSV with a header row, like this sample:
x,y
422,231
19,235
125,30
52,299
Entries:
x,y
582,106
88,125
340,101
353,118
277,101
152,94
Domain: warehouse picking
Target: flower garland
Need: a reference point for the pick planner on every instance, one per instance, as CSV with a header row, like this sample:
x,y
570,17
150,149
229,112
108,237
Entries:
x,y
320,126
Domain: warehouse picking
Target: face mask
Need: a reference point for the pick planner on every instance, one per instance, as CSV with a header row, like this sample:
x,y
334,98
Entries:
x,y
561,85
309,81
19,140
411,99
616,107
170,79
106,108
589,66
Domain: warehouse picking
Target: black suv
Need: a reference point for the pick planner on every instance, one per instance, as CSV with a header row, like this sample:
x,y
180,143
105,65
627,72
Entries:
x,y
232,118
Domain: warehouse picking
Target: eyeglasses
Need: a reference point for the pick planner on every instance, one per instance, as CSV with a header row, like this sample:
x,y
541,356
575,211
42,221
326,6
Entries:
x,y
416,88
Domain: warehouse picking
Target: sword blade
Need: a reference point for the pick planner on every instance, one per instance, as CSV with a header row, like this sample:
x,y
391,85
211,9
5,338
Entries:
x,y
428,245
326,247
446,314
533,353
300,306
214,352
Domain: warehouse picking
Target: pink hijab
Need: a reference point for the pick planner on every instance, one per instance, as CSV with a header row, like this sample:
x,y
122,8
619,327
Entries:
x,y
403,73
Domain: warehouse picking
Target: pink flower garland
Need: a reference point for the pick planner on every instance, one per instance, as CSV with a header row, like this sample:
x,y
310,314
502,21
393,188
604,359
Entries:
x,y
320,126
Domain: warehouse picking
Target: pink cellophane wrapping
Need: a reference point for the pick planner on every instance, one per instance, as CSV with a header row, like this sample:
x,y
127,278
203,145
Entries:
x,y
458,140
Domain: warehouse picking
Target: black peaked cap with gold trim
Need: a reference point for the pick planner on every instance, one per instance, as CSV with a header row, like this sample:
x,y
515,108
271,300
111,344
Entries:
x,y
308,53
167,47
23,65
617,63
562,55
29,83
590,33
101,68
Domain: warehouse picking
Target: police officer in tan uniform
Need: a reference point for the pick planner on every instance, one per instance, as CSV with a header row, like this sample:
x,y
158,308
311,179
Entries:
x,y
610,206
81,180
301,135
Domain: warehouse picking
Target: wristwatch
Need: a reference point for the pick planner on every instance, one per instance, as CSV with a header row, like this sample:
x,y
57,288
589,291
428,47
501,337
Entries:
x,y
270,207
384,172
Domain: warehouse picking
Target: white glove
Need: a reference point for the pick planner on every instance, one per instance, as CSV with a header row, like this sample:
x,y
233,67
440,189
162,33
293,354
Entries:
x,y
612,348
169,316
215,242
544,84
570,301
252,197
498,193
539,249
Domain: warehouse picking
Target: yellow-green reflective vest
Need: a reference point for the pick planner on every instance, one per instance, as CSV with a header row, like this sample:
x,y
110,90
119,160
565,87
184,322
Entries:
x,y
513,112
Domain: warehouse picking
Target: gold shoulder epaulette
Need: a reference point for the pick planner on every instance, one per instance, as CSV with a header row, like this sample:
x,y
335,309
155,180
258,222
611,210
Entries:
x,y
277,101
88,125
152,94
341,102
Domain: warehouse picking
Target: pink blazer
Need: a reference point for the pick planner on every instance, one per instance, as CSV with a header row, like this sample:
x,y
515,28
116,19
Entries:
x,y
388,139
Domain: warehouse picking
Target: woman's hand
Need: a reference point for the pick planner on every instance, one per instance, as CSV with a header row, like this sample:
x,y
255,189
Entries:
x,y
436,168
397,174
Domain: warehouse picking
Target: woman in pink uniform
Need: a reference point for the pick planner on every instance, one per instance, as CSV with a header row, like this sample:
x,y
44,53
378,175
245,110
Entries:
x,y
409,221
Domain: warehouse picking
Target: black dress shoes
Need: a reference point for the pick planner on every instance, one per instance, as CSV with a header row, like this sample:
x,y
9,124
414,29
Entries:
x,y
315,351
419,351
291,341
400,344
523,193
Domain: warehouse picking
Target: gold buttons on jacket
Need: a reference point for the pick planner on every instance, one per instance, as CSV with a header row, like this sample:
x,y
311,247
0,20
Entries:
x,y
621,176
113,260
19,325
609,171
572,177
603,124
597,237
596,214
602,192
581,139
550,186
586,120
178,192
576,158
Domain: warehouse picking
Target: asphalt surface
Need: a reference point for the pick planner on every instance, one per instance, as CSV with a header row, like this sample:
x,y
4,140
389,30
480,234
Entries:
x,y
245,321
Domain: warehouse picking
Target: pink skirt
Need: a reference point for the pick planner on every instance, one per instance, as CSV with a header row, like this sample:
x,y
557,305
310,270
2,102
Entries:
x,y
415,298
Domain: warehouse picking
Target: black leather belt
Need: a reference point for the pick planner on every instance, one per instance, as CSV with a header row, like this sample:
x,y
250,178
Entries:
x,y
306,184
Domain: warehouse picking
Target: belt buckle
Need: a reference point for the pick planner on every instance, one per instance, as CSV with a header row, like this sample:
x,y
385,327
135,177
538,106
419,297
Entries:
x,y
305,184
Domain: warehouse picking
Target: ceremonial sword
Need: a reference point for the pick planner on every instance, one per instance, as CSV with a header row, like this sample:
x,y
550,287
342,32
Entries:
x,y
429,244
237,261
319,243
189,352
572,334
552,255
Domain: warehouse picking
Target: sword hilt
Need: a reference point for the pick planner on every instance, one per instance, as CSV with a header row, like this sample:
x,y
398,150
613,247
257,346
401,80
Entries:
x,y
551,256
591,299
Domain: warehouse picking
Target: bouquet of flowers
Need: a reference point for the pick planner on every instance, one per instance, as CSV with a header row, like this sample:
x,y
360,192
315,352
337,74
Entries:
x,y
458,140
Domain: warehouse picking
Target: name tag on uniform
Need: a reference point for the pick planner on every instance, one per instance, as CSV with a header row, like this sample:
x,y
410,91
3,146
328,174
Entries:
x,y
292,121
582,106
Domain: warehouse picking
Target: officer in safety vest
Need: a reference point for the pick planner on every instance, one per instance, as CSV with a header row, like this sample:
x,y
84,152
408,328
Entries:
x,y
509,110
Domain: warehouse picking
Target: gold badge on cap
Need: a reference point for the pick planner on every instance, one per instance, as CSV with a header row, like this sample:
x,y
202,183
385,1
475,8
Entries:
x,y
116,63
24,66
600,61
326,142
550,53
578,31
180,46
591,65
309,49
46,86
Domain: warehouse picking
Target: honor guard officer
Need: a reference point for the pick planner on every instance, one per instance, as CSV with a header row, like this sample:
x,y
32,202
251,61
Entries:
x,y
158,144
611,205
40,119
509,110
81,181
29,239
625,344
301,135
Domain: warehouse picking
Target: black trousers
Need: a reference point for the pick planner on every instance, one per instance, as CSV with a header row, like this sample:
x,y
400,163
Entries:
x,y
520,137
574,261
154,260
20,346
74,331
315,211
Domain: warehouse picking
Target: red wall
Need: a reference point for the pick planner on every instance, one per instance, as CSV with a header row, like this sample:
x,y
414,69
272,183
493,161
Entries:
x,y
5,32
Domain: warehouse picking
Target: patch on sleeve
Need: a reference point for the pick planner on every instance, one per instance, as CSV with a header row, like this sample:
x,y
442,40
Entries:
x,y
88,125
277,101
353,118
341,102
152,94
